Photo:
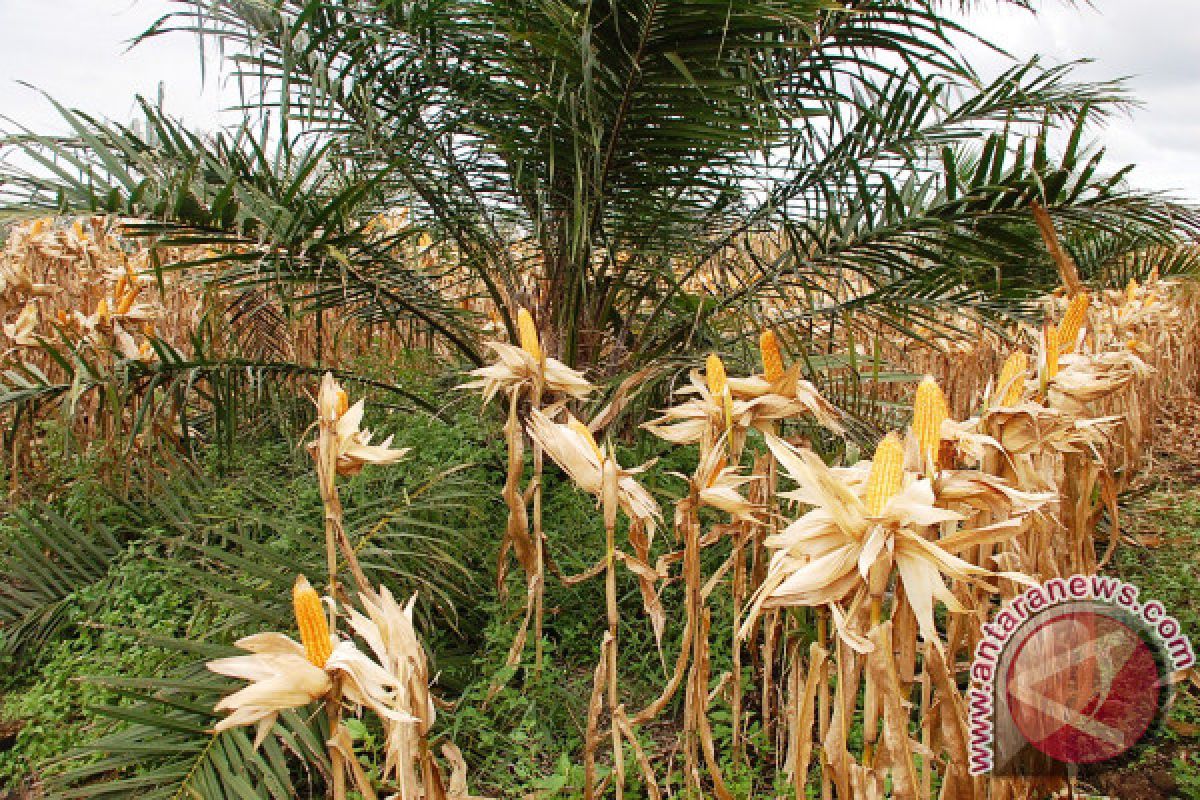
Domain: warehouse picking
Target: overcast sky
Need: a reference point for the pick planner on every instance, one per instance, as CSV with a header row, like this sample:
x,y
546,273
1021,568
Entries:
x,y
77,51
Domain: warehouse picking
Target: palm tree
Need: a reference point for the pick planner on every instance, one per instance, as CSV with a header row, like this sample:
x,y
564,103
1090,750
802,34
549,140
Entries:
x,y
634,172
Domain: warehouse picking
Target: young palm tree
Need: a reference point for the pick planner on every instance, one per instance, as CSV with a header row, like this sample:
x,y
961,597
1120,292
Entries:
x,y
630,171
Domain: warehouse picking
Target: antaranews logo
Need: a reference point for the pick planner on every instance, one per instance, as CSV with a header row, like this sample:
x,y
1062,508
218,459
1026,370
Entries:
x,y
1076,670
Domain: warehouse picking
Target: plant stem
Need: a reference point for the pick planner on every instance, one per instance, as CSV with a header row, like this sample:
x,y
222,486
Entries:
x,y
609,499
538,545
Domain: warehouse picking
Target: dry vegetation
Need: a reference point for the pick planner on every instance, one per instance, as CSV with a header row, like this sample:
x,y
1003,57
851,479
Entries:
x,y
1018,445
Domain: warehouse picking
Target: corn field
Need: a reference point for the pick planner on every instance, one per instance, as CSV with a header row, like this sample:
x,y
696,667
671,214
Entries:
x,y
556,399
998,475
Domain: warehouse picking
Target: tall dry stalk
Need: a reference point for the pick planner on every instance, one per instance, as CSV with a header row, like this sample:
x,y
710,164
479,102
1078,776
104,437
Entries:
x,y
595,470
530,379
341,448
390,677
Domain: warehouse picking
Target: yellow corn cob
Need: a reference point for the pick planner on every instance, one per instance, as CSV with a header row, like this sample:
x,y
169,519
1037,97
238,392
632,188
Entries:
x,y
38,226
310,618
714,375
528,336
929,412
718,386
1051,354
343,402
1131,290
126,302
772,359
577,426
887,474
1012,378
102,310
1072,322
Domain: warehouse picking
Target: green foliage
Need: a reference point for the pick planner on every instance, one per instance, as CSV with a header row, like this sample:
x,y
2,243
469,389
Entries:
x,y
54,707
110,692
1167,572
1169,515
200,398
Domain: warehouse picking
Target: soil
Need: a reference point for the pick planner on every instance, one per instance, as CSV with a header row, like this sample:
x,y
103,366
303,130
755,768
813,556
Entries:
x,y
1151,778
1173,467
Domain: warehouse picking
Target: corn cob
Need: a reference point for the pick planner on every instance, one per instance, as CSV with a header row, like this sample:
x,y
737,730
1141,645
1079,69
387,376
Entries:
x,y
772,359
718,386
343,402
310,618
127,299
929,412
887,474
1012,378
583,430
714,375
1072,322
102,312
1131,290
528,336
1052,349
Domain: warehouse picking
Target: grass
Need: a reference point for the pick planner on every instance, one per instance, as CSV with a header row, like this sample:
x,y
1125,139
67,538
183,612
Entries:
x,y
53,696
1164,523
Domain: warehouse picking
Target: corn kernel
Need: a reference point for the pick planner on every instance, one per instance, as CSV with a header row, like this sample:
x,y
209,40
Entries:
x,y
887,474
528,335
126,301
772,359
714,375
929,412
310,618
1011,383
1072,322
1051,348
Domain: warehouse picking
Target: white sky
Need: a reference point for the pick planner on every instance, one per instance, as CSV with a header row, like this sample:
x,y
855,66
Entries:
x,y
1155,44
77,51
